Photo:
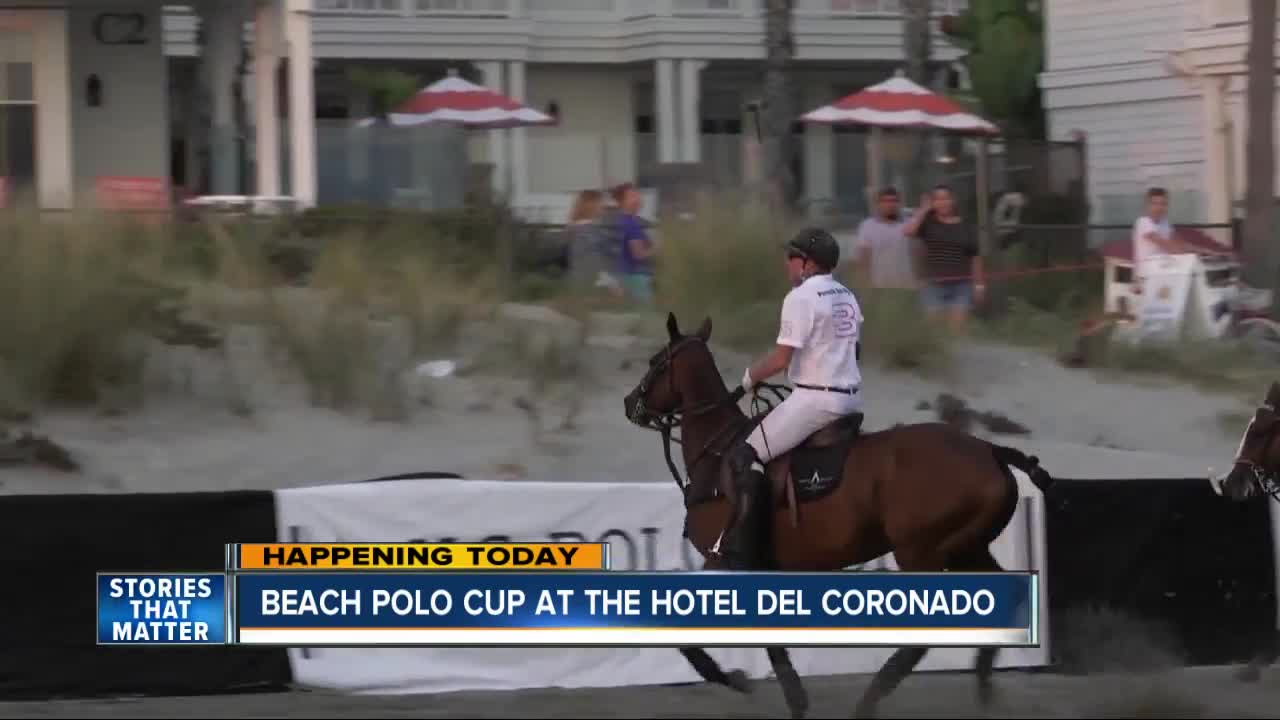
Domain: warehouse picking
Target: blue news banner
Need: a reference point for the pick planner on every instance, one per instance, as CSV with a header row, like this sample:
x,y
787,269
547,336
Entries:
x,y
162,609
612,609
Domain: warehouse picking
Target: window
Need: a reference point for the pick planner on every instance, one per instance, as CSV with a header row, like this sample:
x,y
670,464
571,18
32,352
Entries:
x,y
17,115
17,146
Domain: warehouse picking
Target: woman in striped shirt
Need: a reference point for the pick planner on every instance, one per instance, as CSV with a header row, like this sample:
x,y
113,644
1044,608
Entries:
x,y
950,266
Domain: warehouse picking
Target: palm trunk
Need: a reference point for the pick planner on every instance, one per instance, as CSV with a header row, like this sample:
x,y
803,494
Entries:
x,y
201,108
917,47
1259,261
778,113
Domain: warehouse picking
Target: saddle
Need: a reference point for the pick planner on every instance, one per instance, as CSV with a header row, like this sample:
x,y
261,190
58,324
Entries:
x,y
807,473
814,468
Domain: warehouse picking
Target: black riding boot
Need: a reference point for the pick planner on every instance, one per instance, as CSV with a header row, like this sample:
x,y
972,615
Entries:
x,y
741,545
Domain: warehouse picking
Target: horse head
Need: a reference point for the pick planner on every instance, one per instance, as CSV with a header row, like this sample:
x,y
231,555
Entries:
x,y
671,381
1257,462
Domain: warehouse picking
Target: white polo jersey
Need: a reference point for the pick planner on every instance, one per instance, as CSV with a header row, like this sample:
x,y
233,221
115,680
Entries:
x,y
822,320
1143,248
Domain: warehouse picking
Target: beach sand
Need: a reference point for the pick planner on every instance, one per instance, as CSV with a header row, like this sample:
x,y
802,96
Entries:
x,y
477,422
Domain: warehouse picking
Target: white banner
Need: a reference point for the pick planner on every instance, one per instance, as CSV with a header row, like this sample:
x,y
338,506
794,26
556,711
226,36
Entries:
x,y
1166,287
643,523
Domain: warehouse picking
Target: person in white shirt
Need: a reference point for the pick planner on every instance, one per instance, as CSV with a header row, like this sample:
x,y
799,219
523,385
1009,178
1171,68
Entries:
x,y
885,256
1153,234
818,346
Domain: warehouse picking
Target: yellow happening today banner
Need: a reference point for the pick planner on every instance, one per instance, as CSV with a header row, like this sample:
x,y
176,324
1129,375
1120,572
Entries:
x,y
418,556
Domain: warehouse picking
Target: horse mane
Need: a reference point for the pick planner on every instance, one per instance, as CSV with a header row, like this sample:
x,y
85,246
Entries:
x,y
707,374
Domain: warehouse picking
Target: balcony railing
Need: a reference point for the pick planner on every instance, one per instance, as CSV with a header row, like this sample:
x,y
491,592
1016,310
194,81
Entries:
x,y
565,9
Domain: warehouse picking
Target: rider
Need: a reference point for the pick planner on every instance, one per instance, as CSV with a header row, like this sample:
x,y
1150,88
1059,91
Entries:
x,y
818,346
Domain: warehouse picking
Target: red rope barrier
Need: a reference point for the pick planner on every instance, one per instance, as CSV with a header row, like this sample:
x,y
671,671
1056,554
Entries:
x,y
990,275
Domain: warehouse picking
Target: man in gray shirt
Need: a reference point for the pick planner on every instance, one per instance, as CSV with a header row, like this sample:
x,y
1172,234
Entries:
x,y
884,253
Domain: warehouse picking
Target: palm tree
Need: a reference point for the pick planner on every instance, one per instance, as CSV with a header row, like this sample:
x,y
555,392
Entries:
x,y
386,88
778,113
1259,267
917,47
916,41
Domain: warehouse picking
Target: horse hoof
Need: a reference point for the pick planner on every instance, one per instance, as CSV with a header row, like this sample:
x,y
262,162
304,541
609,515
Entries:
x,y
865,710
800,709
986,694
739,681
798,703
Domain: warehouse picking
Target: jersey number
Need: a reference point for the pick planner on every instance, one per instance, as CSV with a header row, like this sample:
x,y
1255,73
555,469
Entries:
x,y
842,319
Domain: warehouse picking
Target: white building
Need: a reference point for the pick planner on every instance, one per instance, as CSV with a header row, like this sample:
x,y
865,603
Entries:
x,y
86,87
1158,88
634,83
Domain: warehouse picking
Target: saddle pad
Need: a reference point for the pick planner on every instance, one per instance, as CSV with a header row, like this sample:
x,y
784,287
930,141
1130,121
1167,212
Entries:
x,y
817,472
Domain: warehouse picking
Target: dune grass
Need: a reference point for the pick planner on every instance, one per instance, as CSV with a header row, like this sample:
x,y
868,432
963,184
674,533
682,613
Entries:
x,y
727,263
78,297
350,309
1218,365
82,297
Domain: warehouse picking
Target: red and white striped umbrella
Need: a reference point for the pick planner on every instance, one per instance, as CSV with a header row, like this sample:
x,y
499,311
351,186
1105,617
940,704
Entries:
x,y
456,100
900,103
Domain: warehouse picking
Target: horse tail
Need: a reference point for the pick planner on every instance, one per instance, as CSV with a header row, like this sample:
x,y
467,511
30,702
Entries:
x,y
1029,464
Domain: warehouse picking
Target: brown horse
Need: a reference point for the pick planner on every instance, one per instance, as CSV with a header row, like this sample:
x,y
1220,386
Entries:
x,y
1255,473
934,496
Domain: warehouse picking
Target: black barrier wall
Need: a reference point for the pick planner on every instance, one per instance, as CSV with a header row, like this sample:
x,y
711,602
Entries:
x,y
1149,572
58,545
1164,570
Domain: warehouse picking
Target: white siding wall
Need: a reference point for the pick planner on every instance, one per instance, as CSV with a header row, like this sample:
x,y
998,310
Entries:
x,y
1084,34
593,145
128,134
1105,76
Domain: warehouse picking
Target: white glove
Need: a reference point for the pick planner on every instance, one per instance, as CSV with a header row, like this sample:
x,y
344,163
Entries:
x,y
746,379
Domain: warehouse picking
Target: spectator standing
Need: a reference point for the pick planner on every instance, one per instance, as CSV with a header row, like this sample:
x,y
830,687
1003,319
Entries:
x,y
883,251
637,249
1153,233
593,256
951,267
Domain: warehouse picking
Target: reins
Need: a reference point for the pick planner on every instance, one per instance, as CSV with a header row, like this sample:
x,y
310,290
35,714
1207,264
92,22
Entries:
x,y
666,422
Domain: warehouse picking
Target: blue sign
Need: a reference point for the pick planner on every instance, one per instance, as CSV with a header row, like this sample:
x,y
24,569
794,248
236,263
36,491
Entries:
x,y
162,608
636,608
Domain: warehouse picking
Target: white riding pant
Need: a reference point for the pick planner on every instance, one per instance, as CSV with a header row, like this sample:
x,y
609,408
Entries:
x,y
803,413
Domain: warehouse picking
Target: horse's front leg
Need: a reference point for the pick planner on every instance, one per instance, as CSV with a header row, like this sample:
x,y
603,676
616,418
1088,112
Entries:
x,y
792,688
708,669
706,666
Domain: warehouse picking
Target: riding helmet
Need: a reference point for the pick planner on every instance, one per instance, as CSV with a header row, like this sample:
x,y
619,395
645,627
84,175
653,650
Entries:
x,y
817,245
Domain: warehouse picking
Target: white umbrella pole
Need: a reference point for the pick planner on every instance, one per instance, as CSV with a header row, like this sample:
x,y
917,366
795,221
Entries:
x,y
875,166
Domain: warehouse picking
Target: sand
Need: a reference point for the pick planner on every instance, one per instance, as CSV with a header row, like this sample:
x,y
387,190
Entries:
x,y
187,437
1192,692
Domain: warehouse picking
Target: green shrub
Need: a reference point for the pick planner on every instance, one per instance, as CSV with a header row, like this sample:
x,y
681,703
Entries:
x,y
899,334
728,263
78,297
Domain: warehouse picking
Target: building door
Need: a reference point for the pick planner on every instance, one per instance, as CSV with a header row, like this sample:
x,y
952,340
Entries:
x,y
17,117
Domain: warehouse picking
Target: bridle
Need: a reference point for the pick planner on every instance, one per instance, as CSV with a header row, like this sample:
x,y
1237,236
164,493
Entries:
x,y
664,422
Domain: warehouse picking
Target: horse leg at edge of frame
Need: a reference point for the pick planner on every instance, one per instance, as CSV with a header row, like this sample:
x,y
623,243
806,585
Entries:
x,y
982,561
891,674
904,660
792,687
708,669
